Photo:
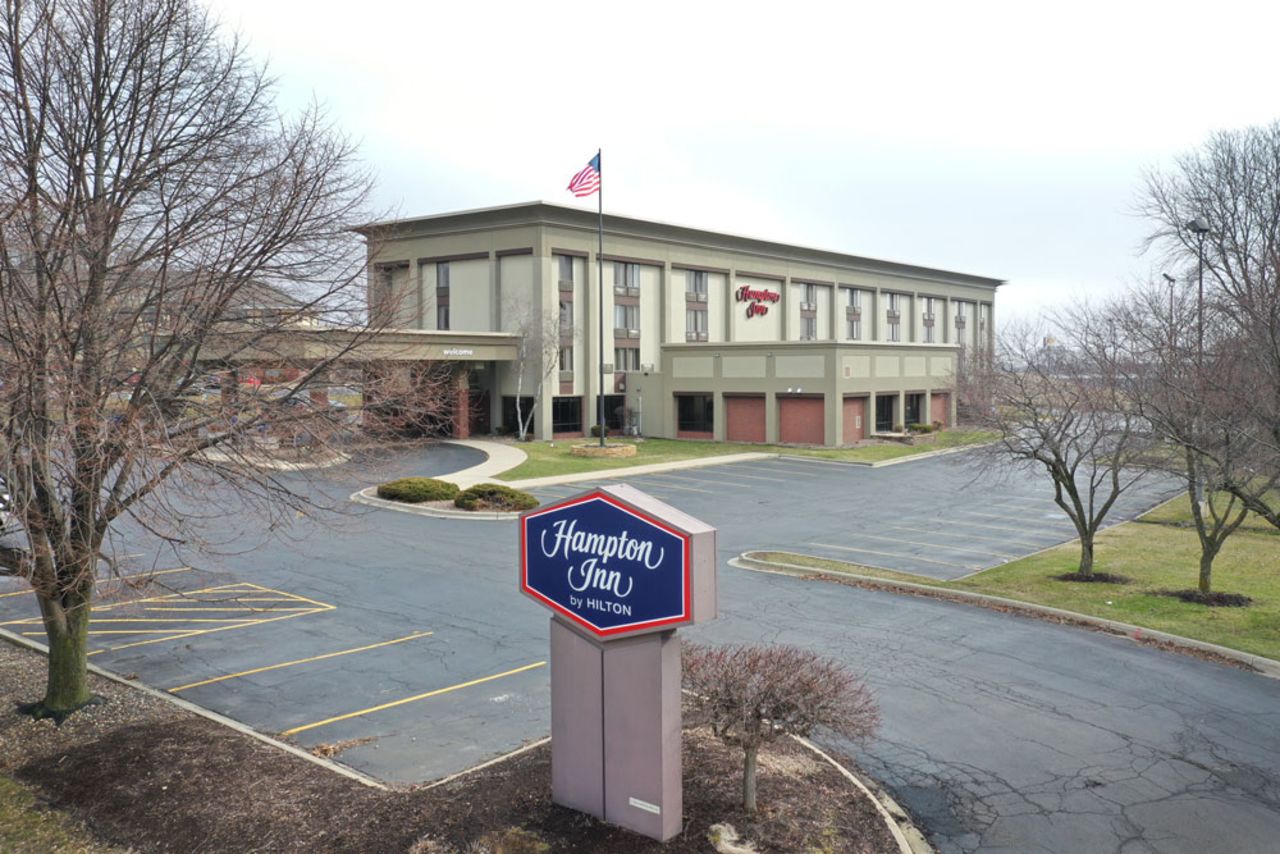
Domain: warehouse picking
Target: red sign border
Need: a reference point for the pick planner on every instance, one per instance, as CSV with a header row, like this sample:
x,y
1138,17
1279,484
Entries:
x,y
634,628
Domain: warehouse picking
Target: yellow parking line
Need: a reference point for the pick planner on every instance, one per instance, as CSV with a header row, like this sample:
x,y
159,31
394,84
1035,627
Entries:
x,y
178,620
29,591
413,636
412,699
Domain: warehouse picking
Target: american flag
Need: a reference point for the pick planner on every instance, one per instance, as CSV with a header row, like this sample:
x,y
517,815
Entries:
x,y
587,181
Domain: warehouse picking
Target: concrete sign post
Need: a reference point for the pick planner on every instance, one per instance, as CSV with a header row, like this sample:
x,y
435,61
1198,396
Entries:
x,y
621,571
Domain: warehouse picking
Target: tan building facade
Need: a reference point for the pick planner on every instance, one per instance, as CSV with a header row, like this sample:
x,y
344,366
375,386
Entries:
x,y
706,335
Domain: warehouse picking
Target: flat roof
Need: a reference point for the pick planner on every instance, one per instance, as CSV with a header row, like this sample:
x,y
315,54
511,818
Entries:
x,y
538,212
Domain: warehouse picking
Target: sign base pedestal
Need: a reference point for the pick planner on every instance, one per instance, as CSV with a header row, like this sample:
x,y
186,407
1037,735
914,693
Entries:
x,y
615,728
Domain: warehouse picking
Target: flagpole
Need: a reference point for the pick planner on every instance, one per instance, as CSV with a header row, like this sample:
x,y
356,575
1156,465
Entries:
x,y
600,307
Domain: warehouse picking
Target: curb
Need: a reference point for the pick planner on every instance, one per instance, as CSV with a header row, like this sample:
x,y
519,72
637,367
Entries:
x,y
639,471
243,729
367,496
909,838
1257,663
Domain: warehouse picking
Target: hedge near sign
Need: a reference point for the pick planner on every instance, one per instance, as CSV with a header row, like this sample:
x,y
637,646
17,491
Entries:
x,y
611,568
620,571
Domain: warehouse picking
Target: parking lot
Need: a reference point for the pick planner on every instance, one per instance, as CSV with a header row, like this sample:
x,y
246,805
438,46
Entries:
x,y
399,644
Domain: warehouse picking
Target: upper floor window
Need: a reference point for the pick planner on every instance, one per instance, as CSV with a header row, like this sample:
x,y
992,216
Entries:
x,y
855,298
566,358
626,358
442,278
565,264
695,324
626,276
442,316
811,295
566,316
696,285
626,317
930,330
808,328
894,317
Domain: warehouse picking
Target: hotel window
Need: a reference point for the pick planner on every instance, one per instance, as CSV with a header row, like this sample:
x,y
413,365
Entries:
x,y
810,297
808,328
442,316
626,277
566,317
442,278
695,413
696,286
566,415
566,358
626,317
894,316
960,314
565,263
853,314
695,320
930,333
626,358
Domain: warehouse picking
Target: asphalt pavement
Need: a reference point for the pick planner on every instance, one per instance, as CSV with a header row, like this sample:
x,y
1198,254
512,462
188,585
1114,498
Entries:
x,y
402,641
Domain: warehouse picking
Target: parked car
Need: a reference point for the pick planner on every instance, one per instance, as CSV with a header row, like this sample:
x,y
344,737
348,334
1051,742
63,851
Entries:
x,y
8,521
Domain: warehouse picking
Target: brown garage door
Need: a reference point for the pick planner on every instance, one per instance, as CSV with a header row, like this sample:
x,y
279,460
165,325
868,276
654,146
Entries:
x,y
800,420
940,406
744,418
855,425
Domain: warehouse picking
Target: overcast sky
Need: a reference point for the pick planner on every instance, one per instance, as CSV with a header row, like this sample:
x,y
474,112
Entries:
x,y
1002,139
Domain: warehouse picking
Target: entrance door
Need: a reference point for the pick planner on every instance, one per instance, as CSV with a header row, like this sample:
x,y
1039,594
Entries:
x,y
855,413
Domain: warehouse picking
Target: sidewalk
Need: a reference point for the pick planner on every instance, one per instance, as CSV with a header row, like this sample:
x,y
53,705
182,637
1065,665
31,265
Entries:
x,y
501,457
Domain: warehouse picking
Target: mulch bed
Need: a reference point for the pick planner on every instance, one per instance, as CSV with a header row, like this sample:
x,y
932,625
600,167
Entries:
x,y
144,774
1213,600
1094,578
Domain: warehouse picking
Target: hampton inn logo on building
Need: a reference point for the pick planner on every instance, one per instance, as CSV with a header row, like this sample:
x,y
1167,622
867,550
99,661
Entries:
x,y
756,299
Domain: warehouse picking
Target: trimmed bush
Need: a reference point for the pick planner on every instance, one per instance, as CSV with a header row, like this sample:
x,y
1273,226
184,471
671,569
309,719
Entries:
x,y
494,496
920,428
595,431
415,490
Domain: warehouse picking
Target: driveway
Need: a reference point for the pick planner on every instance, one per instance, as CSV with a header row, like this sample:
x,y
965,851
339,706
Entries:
x,y
401,641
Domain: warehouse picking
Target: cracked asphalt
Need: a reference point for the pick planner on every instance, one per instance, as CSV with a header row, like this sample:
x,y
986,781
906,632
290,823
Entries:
x,y
1001,733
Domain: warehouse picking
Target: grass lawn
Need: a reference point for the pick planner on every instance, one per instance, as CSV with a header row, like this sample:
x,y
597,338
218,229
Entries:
x,y
26,828
553,458
1157,553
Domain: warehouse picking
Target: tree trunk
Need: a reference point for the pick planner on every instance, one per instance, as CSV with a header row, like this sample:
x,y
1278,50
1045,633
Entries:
x,y
68,686
1086,555
749,781
1206,569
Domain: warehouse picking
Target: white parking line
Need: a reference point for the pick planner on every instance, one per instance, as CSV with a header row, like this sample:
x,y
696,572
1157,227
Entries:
x,y
987,553
950,521
711,480
664,485
942,526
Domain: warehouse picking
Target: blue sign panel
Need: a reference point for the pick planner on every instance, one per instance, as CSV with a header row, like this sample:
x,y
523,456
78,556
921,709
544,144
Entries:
x,y
605,565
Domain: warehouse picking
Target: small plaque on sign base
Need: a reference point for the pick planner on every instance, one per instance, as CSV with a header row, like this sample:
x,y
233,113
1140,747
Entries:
x,y
621,570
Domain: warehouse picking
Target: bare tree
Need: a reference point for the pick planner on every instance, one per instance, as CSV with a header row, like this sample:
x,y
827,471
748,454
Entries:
x,y
1057,409
1180,382
1221,202
542,336
158,220
751,695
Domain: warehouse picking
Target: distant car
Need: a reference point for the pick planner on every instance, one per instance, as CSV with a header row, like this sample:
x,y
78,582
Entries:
x,y
8,521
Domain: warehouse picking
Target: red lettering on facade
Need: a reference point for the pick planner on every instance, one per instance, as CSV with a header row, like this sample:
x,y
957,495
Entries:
x,y
755,299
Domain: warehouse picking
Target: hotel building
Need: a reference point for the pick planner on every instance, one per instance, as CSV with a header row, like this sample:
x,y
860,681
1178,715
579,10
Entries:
x,y
706,335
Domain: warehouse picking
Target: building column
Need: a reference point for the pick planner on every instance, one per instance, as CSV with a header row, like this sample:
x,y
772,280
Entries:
x,y
460,395
869,416
900,417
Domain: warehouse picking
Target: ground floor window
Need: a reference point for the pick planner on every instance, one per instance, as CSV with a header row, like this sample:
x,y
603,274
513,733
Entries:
x,y
915,407
615,410
885,404
509,413
695,413
566,415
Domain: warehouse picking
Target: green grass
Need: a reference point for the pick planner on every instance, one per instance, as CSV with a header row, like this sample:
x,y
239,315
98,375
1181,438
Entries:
x,y
553,458
1155,557
26,828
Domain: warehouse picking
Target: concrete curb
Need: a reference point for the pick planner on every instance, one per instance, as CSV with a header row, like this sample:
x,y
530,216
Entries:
x,y
368,496
281,465
909,838
1260,664
327,764
637,471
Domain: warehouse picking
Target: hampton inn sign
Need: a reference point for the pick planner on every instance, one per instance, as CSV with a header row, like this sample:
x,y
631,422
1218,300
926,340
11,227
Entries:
x,y
620,571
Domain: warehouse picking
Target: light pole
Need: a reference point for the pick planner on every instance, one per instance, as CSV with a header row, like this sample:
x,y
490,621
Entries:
x,y
1199,227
